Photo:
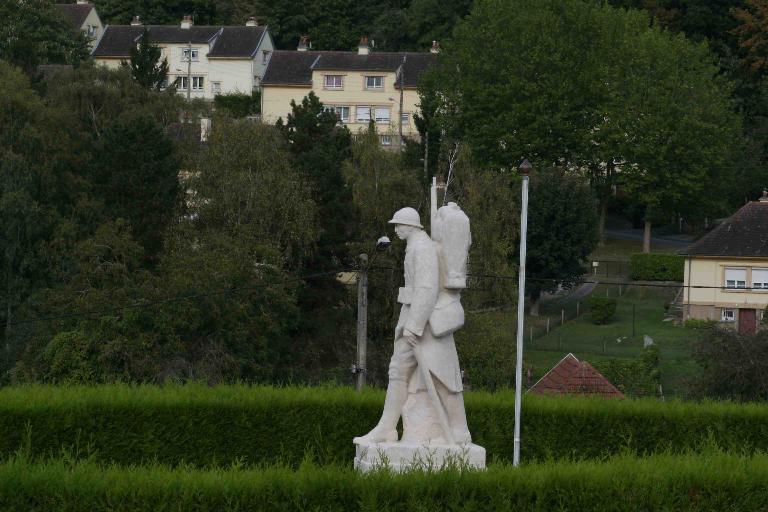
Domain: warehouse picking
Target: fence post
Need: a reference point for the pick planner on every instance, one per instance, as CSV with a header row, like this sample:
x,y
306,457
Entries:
x,y
547,325
633,320
603,344
562,316
578,303
531,334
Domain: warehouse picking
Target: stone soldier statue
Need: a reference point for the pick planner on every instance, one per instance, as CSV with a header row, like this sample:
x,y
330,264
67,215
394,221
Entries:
x,y
424,377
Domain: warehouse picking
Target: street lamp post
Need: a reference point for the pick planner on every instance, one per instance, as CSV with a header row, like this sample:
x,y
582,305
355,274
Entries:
x,y
525,169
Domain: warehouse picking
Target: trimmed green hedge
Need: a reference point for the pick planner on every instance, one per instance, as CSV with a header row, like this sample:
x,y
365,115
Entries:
x,y
217,426
714,482
657,267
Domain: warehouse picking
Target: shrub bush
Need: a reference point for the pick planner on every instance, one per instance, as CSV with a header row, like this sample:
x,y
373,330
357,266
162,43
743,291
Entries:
x,y
601,309
657,267
217,426
714,482
696,323
238,104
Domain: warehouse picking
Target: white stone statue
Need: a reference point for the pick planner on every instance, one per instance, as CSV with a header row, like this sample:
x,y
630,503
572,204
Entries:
x,y
424,378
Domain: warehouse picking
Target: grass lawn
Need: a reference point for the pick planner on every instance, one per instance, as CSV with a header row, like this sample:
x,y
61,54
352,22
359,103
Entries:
x,y
487,343
621,250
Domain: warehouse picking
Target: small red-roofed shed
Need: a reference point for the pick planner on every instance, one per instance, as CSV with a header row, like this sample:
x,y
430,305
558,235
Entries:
x,y
573,377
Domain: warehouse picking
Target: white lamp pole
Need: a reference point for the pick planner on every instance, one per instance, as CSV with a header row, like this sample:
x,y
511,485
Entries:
x,y
525,169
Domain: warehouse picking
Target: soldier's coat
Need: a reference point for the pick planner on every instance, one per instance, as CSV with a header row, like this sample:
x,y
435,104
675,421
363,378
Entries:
x,y
419,299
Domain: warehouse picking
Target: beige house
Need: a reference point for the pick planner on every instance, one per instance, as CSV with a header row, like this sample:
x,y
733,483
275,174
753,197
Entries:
x,y
203,61
84,18
726,271
359,86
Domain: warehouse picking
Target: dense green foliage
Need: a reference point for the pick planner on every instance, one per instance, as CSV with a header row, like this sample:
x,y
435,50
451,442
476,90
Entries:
x,y
601,309
217,426
34,32
237,104
635,377
664,118
562,231
657,267
712,482
330,24
733,364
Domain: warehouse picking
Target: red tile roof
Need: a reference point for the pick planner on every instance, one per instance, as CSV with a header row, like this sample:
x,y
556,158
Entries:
x,y
573,377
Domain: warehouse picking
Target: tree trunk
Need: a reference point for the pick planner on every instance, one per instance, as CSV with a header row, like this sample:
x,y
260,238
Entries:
x,y
647,237
601,222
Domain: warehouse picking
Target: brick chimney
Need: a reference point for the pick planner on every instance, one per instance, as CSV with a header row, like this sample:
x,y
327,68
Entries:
x,y
435,47
252,22
136,21
363,48
186,22
303,44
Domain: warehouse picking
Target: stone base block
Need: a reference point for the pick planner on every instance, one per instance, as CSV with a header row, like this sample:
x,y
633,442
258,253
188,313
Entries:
x,y
404,456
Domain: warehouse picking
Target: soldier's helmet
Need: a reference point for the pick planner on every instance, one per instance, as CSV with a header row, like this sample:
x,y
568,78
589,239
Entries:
x,y
406,217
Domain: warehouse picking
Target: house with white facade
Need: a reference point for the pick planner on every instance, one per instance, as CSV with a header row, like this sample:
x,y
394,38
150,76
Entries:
x,y
84,18
203,61
361,86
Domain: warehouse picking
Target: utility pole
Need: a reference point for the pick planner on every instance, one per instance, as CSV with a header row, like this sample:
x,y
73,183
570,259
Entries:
x,y
400,122
189,72
362,322
525,169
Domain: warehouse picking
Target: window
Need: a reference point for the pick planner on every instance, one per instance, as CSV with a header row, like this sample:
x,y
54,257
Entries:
x,y
382,114
197,83
333,81
404,117
735,278
386,140
90,30
374,82
264,56
185,54
341,111
729,315
363,114
760,278
216,87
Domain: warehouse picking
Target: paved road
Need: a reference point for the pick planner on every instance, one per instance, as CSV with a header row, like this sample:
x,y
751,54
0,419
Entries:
x,y
637,234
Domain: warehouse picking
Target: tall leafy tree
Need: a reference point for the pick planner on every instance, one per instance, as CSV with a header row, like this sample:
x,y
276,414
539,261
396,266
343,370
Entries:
x,y
135,173
319,145
33,32
562,231
146,67
584,85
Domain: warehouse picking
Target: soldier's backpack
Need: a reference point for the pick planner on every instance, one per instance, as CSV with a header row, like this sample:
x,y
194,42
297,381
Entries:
x,y
452,236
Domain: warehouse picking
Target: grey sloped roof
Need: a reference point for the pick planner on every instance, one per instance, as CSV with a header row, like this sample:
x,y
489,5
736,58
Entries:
x,y
77,13
295,68
117,40
744,234
290,68
237,42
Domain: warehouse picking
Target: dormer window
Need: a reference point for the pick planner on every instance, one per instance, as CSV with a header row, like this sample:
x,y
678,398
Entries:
x,y
264,56
185,52
333,82
374,82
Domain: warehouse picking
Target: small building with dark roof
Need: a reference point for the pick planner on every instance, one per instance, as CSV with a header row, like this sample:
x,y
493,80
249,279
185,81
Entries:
x,y
84,18
203,61
726,271
573,377
359,86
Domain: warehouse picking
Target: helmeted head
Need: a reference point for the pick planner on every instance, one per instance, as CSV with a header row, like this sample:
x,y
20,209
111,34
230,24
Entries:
x,y
406,220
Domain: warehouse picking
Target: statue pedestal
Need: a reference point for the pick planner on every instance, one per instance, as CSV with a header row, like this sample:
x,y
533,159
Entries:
x,y
405,455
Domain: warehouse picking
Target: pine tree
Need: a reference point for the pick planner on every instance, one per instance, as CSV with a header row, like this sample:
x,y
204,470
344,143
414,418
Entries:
x,y
146,67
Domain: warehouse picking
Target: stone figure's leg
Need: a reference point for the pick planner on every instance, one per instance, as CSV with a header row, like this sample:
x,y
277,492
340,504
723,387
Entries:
x,y
401,367
457,416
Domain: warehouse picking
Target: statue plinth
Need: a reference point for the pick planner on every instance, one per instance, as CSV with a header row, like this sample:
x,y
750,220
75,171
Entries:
x,y
407,455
